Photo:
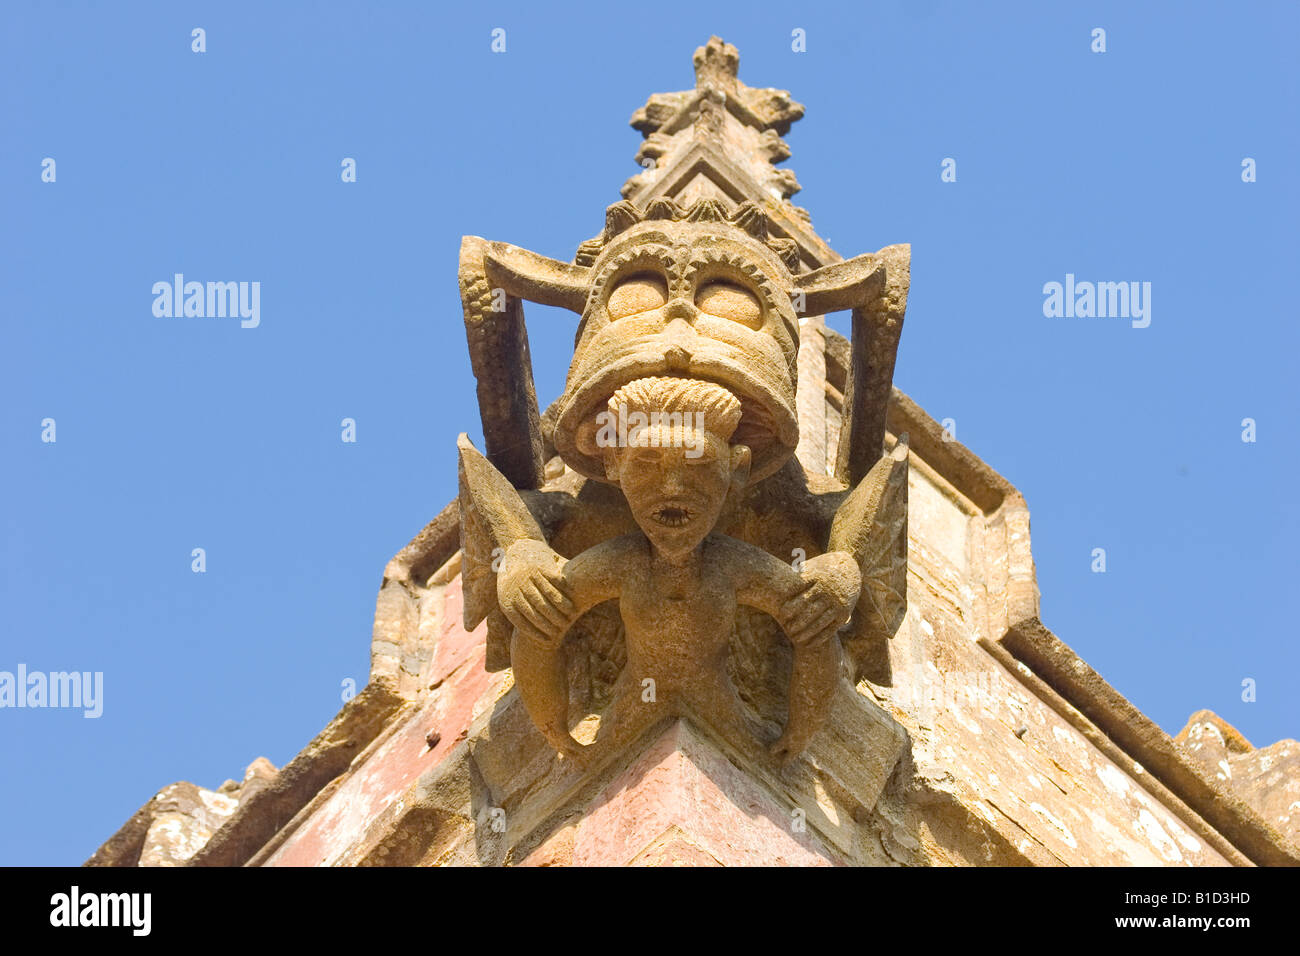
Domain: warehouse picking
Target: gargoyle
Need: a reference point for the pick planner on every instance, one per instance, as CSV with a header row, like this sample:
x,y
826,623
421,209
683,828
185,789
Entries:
x,y
677,581
699,295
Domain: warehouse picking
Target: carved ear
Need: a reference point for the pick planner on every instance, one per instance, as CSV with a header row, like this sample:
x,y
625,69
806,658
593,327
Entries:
x,y
741,459
841,285
585,438
526,275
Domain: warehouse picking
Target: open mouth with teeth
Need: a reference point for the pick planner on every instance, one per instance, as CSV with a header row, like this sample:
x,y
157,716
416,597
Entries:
x,y
673,516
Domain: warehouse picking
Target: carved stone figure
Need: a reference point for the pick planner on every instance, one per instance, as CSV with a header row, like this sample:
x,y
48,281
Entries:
x,y
732,581
678,583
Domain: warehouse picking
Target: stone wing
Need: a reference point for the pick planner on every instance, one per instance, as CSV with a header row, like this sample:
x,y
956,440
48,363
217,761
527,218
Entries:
x,y
492,518
871,525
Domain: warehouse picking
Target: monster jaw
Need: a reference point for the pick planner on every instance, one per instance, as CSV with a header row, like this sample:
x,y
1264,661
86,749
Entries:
x,y
769,425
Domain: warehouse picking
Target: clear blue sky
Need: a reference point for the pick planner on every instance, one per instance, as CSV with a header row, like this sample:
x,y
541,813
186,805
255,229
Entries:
x,y
175,434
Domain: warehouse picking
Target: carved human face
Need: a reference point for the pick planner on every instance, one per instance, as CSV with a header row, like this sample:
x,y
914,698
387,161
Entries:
x,y
692,300
677,491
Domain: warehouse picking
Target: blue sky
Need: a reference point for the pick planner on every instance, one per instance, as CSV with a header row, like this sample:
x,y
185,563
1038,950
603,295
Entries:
x,y
177,434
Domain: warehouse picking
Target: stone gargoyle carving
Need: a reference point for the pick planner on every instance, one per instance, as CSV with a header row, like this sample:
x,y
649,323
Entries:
x,y
645,543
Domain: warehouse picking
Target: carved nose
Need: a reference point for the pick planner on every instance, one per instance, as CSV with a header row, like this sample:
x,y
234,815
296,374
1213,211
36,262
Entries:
x,y
680,309
679,336
674,482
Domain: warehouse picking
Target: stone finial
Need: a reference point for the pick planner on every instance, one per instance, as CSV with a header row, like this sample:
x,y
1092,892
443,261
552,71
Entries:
x,y
720,131
716,70
716,65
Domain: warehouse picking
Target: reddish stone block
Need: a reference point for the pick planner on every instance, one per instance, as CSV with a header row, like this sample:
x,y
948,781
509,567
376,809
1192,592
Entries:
x,y
342,821
683,803
674,849
456,646
555,850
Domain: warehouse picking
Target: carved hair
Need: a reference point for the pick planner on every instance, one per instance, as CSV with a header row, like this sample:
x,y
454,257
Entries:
x,y
717,409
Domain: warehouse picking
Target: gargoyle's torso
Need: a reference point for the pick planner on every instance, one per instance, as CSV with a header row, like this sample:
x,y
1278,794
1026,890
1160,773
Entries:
x,y
677,636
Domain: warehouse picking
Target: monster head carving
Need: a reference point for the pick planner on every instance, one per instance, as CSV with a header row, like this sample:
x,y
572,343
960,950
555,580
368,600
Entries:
x,y
692,292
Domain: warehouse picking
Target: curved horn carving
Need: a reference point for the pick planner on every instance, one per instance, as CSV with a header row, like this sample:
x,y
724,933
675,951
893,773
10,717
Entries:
x,y
841,285
526,275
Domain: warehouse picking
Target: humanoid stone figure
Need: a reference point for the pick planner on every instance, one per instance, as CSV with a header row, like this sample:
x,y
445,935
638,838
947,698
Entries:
x,y
678,583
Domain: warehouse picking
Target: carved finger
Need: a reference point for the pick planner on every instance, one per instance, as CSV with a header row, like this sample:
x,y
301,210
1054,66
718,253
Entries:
x,y
511,609
797,604
828,623
553,616
534,618
815,608
555,596
825,625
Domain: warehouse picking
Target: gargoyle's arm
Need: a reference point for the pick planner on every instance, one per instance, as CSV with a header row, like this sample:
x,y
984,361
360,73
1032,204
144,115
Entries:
x,y
762,581
810,605
798,600
596,575
537,646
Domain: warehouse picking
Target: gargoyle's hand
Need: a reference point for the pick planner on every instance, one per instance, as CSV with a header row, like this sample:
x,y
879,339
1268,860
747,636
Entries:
x,y
826,601
532,593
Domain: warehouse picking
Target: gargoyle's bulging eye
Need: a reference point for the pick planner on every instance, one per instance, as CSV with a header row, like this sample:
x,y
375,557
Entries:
x,y
637,294
729,301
